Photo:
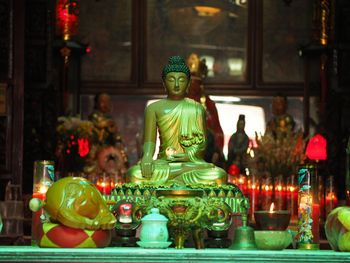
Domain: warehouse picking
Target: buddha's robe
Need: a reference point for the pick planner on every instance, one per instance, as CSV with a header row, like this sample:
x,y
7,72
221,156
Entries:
x,y
181,131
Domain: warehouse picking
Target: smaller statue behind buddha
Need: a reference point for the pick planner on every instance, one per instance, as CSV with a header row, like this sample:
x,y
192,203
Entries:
x,y
238,145
282,123
105,127
108,154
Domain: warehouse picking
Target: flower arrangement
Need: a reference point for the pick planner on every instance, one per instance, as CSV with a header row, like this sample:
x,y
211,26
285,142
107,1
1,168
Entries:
x,y
282,154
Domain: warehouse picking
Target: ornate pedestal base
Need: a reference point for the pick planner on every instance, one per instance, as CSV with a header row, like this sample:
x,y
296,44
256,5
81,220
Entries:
x,y
189,209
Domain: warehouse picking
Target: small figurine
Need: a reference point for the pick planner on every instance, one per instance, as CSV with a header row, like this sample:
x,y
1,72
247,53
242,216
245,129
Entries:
x,y
238,145
182,130
282,123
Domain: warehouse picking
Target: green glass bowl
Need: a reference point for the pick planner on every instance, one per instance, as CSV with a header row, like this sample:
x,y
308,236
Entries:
x,y
272,240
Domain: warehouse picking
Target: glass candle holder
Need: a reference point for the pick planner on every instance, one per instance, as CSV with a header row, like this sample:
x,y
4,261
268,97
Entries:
x,y
43,178
292,197
331,199
308,208
253,194
280,196
266,193
105,184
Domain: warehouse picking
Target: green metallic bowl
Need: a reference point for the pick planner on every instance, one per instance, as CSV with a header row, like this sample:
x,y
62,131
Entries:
x,y
272,240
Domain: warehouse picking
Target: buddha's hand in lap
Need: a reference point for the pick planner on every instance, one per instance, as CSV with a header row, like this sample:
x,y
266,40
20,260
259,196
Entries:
x,y
147,167
178,157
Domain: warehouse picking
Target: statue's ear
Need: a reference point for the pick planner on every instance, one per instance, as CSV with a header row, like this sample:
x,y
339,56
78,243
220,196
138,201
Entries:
x,y
163,83
188,84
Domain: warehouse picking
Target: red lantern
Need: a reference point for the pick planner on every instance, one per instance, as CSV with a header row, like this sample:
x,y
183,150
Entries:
x,y
67,12
317,148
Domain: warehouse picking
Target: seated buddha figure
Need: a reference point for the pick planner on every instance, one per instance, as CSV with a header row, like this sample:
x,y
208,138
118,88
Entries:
x,y
181,125
282,123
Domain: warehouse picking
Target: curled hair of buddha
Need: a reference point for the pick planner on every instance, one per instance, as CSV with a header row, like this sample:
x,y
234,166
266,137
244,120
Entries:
x,y
176,64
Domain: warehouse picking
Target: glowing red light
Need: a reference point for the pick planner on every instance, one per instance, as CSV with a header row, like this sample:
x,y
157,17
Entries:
x,y
88,49
234,170
67,17
83,145
317,148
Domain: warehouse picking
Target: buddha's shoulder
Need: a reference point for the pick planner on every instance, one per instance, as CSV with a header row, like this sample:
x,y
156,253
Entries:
x,y
193,103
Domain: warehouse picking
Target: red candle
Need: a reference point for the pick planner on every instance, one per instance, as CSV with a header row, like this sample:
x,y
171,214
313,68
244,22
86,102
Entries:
x,y
104,188
316,222
266,196
253,197
331,202
39,195
292,201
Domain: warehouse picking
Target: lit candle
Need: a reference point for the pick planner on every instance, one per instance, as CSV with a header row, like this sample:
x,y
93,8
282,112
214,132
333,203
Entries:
x,y
104,187
253,194
266,195
292,201
331,202
272,219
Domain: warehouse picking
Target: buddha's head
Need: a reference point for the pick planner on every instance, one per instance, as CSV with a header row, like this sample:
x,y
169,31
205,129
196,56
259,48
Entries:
x,y
279,105
241,122
103,102
176,77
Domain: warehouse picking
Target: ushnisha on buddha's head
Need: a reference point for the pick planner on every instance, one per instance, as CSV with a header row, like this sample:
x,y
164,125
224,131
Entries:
x,y
176,77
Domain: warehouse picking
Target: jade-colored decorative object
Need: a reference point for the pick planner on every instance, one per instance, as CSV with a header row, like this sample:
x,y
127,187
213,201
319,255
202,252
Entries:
x,y
337,228
76,211
181,125
154,231
272,240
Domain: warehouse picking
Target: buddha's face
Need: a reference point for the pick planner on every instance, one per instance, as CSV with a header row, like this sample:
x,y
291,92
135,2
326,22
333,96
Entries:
x,y
104,103
176,84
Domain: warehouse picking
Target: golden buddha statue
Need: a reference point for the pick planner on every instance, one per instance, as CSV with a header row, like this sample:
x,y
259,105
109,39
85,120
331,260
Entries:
x,y
181,125
282,123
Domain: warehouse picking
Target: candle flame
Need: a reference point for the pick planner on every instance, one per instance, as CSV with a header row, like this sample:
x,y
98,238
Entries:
x,y
272,207
43,189
292,188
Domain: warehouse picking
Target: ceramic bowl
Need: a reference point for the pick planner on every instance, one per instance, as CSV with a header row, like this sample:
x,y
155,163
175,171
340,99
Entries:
x,y
272,240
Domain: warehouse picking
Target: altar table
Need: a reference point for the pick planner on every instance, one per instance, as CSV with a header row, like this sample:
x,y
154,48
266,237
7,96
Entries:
x,y
188,255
